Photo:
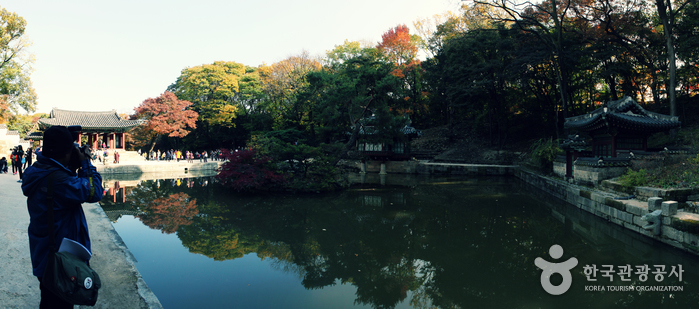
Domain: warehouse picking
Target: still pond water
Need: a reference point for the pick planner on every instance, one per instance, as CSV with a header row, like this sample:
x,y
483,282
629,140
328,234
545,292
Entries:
x,y
392,242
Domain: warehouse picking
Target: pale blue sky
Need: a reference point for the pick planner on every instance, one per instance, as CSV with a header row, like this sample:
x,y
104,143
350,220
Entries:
x,y
101,55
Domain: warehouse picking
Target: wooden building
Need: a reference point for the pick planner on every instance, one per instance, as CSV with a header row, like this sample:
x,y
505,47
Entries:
x,y
101,128
606,139
395,149
620,126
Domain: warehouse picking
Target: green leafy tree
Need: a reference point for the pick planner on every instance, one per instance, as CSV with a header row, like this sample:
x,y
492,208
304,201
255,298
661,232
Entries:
x,y
16,91
341,53
339,103
12,39
477,68
282,81
214,90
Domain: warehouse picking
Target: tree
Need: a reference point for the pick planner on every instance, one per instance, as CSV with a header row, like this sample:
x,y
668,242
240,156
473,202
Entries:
x,y
435,31
24,123
213,90
668,18
341,53
165,114
338,103
477,67
398,46
12,39
283,80
15,85
546,22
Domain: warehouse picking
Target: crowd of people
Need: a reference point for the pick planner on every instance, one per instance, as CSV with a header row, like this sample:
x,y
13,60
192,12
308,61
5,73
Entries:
x,y
19,161
177,155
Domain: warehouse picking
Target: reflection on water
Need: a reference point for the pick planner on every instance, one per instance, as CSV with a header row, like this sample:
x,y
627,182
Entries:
x,y
400,241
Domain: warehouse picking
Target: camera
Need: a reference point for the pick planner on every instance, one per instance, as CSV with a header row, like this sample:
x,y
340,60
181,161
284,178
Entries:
x,y
74,132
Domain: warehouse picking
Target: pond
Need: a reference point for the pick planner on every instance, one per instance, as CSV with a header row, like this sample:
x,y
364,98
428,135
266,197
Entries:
x,y
395,241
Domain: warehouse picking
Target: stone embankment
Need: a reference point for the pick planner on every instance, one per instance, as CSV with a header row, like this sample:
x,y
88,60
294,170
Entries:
x,y
156,167
423,167
677,228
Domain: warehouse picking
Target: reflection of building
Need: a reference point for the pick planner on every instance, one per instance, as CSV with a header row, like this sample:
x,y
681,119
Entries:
x,y
116,191
100,127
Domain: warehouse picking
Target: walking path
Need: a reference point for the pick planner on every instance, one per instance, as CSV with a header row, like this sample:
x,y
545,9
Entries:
x,y
122,285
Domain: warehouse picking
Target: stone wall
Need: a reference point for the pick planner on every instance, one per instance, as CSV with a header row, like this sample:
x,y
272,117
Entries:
x,y
644,193
679,229
465,169
559,169
155,167
419,167
584,174
591,175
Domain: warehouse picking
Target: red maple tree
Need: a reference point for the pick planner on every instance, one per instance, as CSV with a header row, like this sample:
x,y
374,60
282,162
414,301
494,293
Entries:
x,y
397,45
165,114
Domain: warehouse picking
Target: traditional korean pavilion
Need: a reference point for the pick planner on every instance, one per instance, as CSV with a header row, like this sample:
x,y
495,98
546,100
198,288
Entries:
x,y
615,133
101,128
621,125
393,150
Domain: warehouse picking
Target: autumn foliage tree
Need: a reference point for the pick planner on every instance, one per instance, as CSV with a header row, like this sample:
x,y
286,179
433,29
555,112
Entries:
x,y
398,46
164,115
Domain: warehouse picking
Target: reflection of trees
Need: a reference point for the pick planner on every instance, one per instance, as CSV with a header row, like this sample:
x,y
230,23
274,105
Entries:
x,y
392,244
169,213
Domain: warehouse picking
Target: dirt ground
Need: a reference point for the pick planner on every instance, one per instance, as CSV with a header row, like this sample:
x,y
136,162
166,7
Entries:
x,y
459,145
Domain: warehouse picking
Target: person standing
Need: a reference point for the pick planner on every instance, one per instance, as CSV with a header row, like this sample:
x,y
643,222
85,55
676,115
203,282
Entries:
x,y
3,165
70,191
29,155
12,161
19,157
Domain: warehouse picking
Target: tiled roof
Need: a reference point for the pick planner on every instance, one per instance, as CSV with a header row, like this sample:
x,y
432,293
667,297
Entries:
x,y
625,114
90,121
35,136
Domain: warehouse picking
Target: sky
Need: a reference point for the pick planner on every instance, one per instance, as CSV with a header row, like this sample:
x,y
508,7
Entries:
x,y
113,55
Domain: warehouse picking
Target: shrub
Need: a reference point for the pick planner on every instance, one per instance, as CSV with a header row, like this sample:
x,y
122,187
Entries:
x,y
663,171
543,152
247,171
634,178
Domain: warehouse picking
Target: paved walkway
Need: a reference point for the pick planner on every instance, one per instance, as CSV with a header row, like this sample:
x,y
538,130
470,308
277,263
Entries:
x,y
122,285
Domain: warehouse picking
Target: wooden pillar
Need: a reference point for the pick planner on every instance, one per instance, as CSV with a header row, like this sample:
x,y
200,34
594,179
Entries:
x,y
122,144
111,140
